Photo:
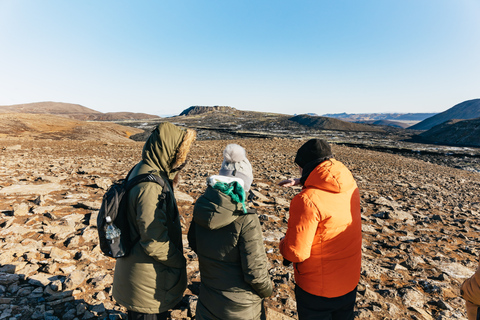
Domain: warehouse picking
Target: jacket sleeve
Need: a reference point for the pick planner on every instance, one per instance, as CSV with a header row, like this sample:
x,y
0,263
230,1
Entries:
x,y
470,289
253,257
192,236
296,246
153,224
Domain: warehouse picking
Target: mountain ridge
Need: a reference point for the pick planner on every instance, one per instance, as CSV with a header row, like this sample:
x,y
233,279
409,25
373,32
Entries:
x,y
453,132
469,109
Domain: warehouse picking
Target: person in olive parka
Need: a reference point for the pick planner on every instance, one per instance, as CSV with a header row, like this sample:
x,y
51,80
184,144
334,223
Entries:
x,y
152,278
227,237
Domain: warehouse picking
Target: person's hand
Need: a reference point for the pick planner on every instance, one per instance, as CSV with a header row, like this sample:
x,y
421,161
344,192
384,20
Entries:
x,y
286,262
289,182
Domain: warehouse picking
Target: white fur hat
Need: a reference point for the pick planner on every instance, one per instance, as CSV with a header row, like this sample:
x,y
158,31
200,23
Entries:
x,y
236,164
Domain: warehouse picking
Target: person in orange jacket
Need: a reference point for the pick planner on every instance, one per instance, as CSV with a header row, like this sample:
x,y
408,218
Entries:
x,y
470,291
324,235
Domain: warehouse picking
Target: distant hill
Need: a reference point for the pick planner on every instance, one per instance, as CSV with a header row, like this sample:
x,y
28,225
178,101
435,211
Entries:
x,y
73,111
454,132
357,117
390,123
466,110
326,123
49,107
194,110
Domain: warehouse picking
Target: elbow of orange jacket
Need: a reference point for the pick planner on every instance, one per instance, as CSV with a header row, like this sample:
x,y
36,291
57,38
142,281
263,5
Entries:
x,y
291,254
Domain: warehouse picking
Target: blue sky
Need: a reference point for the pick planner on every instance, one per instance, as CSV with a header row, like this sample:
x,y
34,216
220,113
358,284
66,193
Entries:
x,y
161,57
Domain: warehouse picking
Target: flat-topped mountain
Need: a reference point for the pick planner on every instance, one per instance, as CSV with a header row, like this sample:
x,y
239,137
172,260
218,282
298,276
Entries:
x,y
194,110
466,110
73,111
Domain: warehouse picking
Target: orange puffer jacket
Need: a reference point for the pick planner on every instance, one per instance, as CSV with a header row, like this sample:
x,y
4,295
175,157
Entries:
x,y
324,235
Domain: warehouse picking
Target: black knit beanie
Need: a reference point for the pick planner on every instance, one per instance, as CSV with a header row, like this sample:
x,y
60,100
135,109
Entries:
x,y
310,155
313,149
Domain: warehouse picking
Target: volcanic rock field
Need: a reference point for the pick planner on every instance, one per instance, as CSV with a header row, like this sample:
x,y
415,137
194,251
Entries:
x,y
420,227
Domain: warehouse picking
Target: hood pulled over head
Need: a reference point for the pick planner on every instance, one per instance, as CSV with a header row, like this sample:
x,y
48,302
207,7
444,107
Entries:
x,y
167,147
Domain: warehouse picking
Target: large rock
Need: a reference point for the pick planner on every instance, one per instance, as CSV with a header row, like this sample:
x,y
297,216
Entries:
x,y
35,189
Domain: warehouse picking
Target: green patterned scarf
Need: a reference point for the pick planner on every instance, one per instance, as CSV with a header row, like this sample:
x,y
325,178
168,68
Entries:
x,y
234,190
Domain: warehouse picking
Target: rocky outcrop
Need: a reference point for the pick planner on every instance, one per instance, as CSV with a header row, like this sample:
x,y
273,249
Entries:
x,y
463,111
194,110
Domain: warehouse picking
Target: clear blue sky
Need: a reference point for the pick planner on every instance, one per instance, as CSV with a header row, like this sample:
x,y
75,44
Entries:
x,y
318,56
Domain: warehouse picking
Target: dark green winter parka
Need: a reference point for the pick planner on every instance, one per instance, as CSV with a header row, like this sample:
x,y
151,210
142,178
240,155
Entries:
x,y
152,278
232,259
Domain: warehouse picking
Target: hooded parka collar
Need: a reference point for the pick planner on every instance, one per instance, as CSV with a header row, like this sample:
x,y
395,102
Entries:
x,y
330,176
215,209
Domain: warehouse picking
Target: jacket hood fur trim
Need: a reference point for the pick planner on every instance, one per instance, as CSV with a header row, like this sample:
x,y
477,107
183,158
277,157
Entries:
x,y
184,148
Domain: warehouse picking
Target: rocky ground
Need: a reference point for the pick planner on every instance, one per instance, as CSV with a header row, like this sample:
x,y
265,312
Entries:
x,y
420,227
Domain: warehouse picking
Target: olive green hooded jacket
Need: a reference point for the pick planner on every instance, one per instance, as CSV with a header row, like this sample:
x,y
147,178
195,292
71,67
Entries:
x,y
232,259
152,278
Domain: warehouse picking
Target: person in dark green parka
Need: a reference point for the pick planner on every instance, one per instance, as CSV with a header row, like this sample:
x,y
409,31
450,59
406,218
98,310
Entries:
x,y
152,278
227,237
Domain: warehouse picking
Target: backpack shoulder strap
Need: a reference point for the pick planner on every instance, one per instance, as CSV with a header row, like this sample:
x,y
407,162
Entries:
x,y
146,177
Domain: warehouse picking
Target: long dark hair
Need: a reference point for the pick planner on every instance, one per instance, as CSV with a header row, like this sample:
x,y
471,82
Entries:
x,y
308,168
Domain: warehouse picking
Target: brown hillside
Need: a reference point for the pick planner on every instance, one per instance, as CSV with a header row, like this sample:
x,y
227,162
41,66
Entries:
x,y
48,107
42,126
73,111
